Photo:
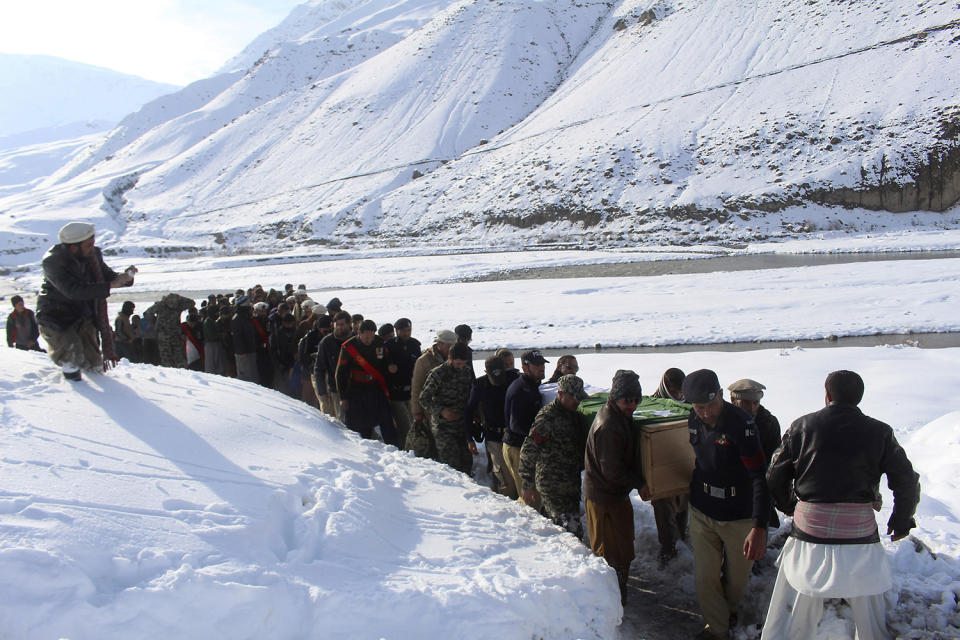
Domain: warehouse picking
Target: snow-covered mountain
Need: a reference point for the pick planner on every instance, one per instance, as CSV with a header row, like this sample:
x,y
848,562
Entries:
x,y
43,92
53,108
509,122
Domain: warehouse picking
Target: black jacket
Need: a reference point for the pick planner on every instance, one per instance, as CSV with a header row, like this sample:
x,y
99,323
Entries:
x,y
838,454
729,462
69,288
12,329
325,366
283,347
768,428
490,398
243,333
404,354
307,350
352,378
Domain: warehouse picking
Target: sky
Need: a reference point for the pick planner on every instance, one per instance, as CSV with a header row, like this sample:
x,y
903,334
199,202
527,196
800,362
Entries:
x,y
172,41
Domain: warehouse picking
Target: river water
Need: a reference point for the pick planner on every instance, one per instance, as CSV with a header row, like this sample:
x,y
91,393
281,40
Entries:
x,y
709,265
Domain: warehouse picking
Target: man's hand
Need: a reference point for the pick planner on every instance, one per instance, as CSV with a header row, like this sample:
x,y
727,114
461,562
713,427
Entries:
x,y
472,446
755,546
644,492
344,403
530,496
121,280
895,536
392,368
449,414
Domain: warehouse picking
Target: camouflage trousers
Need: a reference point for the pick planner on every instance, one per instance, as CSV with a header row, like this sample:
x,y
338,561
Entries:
x,y
452,445
75,348
564,514
172,353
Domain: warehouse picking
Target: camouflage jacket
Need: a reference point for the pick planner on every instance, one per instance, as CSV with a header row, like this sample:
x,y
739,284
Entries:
x,y
446,388
168,312
552,457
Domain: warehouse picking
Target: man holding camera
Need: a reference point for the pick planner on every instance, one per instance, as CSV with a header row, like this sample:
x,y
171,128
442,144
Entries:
x,y
72,305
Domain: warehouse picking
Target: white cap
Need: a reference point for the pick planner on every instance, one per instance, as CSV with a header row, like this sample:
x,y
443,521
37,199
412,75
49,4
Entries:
x,y
74,232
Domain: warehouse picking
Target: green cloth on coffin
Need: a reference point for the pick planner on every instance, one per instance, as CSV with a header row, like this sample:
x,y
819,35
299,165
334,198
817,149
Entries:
x,y
650,411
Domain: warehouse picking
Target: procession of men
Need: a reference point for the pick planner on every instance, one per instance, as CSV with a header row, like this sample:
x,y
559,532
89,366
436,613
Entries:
x,y
823,472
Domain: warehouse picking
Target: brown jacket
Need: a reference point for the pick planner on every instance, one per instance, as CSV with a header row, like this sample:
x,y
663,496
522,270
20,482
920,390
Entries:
x,y
609,474
429,360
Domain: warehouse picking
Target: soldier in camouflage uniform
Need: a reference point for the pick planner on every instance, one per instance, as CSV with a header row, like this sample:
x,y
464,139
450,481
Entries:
x,y
169,335
444,397
552,457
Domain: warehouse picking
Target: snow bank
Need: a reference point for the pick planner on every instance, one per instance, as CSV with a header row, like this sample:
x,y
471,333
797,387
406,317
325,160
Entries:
x,y
150,502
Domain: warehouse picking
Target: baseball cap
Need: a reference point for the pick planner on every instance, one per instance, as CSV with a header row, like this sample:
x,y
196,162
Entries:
x,y
533,357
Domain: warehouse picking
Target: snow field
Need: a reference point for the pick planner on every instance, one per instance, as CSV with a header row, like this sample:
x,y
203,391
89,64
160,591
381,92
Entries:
x,y
194,506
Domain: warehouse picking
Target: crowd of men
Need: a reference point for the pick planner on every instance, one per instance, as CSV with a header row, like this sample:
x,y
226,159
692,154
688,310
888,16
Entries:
x,y
824,471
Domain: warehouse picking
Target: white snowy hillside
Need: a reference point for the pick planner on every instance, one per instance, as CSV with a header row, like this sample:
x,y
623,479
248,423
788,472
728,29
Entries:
x,y
151,502
53,108
42,92
534,122
25,166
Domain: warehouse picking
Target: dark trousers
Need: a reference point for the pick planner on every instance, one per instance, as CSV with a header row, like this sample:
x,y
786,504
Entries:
x,y
367,407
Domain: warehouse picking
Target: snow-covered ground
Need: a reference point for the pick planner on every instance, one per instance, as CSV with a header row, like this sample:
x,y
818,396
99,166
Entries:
x,y
149,501
158,503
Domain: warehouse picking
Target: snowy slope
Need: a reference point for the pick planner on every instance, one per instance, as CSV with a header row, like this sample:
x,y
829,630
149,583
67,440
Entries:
x,y
642,121
149,502
697,117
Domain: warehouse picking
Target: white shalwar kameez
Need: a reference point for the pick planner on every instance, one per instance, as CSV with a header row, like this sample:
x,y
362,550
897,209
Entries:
x,y
811,572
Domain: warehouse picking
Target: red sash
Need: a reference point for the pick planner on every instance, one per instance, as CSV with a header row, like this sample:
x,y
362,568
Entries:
x,y
371,370
187,332
264,338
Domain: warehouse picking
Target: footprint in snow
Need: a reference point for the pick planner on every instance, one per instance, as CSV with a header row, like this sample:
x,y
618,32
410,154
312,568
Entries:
x,y
180,505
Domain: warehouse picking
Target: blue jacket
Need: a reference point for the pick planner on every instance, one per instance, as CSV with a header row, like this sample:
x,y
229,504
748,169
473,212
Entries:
x,y
729,480
521,405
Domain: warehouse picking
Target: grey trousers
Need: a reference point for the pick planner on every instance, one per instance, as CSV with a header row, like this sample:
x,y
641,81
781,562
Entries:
x,y
247,367
214,358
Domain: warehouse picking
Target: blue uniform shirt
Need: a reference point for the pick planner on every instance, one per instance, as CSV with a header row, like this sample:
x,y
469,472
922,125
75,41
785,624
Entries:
x,y
729,478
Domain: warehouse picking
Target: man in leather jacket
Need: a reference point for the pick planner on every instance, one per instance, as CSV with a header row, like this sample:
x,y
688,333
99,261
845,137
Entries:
x,y
826,474
71,307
